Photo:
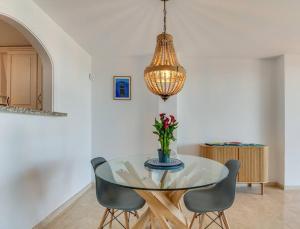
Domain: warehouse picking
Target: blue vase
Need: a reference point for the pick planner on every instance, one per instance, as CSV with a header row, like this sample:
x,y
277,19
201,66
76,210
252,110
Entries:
x,y
163,157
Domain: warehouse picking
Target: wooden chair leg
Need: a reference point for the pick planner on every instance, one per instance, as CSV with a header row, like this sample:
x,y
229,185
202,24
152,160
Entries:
x,y
262,188
193,219
126,220
201,220
106,212
220,218
111,218
225,221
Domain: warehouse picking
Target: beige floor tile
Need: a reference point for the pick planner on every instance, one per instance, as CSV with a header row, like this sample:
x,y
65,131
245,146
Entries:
x,y
277,209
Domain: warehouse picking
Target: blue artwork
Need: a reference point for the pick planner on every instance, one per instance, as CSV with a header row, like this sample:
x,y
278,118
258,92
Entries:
x,y
122,87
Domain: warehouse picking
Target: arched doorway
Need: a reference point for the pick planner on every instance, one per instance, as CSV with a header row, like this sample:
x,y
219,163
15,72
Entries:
x,y
42,95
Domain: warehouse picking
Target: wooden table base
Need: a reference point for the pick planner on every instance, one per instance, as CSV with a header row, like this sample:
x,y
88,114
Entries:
x,y
164,210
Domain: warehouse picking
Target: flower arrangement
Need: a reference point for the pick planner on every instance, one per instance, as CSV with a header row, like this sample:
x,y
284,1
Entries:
x,y
164,128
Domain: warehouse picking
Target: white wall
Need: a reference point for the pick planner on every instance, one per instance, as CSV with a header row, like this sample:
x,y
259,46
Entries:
x,y
45,160
292,119
122,127
224,99
280,118
228,99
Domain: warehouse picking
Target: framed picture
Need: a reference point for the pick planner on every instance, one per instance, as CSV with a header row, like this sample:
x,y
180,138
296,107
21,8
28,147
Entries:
x,y
122,88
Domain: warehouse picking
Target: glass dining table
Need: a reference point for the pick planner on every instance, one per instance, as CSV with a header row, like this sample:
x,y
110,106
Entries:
x,y
162,189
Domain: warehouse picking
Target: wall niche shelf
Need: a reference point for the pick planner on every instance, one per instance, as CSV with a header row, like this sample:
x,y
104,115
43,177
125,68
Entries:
x,y
28,111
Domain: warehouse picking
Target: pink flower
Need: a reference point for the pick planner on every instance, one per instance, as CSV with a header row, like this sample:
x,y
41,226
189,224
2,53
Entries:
x,y
162,116
166,123
173,120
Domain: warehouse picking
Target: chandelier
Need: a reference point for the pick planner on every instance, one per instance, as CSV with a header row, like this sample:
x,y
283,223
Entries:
x,y
164,76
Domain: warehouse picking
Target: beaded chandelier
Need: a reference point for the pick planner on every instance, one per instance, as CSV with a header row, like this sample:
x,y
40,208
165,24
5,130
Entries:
x,y
165,76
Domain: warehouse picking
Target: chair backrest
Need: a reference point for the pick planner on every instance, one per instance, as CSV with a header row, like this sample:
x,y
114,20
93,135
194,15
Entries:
x,y
228,185
103,187
97,161
100,184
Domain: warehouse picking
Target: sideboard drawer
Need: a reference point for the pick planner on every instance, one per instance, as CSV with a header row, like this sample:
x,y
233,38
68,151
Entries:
x,y
220,154
253,164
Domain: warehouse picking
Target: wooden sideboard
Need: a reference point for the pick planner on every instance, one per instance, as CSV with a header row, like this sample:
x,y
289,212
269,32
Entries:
x,y
253,159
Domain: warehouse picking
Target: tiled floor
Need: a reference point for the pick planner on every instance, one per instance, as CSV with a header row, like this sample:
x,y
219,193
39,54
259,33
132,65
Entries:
x,y
275,210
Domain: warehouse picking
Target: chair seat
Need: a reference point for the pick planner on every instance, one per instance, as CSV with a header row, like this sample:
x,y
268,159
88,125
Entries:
x,y
208,200
121,199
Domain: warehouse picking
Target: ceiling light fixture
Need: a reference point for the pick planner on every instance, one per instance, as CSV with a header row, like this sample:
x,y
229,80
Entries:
x,y
165,76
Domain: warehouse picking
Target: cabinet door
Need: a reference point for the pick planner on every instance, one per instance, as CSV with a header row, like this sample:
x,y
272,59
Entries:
x,y
221,154
22,79
39,99
3,78
3,75
254,164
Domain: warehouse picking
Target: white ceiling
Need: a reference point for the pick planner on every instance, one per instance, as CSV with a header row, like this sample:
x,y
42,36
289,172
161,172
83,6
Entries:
x,y
244,28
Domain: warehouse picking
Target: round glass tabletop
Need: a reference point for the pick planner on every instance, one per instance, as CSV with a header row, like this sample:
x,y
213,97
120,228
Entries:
x,y
130,172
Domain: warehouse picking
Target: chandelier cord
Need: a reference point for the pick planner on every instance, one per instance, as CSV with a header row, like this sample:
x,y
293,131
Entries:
x,y
165,17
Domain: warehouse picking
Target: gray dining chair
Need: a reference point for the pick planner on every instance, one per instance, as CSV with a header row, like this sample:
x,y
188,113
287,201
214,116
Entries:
x,y
214,201
117,200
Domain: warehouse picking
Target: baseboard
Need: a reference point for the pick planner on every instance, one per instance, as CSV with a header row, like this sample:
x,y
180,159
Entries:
x,y
273,184
291,187
283,187
62,208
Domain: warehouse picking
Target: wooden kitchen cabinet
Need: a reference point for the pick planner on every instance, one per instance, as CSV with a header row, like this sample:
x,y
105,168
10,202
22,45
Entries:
x,y
22,77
